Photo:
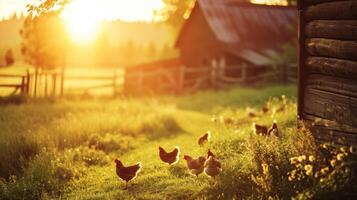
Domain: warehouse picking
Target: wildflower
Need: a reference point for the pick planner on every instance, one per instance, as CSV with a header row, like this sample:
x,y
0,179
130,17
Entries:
x,y
322,180
311,158
351,149
343,149
294,160
308,169
340,156
265,168
333,163
317,174
302,158
324,170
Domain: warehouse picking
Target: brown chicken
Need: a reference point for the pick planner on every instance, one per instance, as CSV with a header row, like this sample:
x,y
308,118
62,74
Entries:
x,y
204,138
209,153
273,130
212,166
265,109
127,173
260,130
196,166
169,157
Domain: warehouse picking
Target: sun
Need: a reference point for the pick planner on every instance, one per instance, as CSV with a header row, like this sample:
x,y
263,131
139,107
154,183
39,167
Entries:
x,y
82,20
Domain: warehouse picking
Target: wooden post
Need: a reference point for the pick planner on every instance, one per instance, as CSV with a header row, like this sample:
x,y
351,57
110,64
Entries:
x,y
46,84
181,80
114,83
35,84
213,74
28,82
54,84
244,72
23,85
62,81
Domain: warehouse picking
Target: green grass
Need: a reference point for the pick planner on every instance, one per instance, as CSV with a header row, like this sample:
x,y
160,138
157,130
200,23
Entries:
x,y
65,148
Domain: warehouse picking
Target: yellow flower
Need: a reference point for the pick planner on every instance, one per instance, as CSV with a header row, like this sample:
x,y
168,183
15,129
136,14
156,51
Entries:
x,y
324,170
333,162
302,158
308,169
294,160
265,168
343,149
351,149
311,158
340,156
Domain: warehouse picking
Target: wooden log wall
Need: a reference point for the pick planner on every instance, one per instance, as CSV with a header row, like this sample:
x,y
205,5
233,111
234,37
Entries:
x,y
328,69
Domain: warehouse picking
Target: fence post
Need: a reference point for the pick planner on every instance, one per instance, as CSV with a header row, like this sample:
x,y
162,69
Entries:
x,y
244,72
28,82
46,83
213,75
181,77
62,81
54,84
114,83
23,85
35,84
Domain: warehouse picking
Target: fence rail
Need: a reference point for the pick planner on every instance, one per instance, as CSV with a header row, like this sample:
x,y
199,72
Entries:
x,y
178,78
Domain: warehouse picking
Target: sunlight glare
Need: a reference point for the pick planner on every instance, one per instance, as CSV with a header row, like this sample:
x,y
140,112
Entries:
x,y
82,20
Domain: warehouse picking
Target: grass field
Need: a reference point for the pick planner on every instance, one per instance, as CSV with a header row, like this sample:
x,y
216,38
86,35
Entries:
x,y
71,86
64,149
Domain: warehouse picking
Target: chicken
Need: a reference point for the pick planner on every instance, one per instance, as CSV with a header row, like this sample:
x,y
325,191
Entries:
x,y
252,112
209,153
171,157
273,130
127,173
196,166
204,138
260,130
212,165
280,109
265,109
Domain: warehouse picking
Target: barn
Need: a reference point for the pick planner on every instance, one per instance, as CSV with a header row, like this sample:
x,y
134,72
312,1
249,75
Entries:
x,y
328,69
228,32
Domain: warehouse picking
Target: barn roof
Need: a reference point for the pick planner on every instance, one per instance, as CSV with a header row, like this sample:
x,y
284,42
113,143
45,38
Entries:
x,y
238,25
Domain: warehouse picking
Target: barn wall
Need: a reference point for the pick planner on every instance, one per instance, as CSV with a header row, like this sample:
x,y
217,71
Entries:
x,y
198,44
328,69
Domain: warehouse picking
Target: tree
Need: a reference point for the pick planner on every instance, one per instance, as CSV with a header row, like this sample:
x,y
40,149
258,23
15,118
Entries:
x,y
9,58
43,33
176,11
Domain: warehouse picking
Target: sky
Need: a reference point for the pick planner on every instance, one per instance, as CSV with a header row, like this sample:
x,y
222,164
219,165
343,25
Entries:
x,y
128,10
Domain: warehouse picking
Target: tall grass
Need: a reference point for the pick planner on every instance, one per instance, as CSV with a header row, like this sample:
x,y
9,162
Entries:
x,y
64,149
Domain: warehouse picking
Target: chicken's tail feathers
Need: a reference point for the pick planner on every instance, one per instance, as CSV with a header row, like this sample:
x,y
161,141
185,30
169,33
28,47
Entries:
x,y
187,157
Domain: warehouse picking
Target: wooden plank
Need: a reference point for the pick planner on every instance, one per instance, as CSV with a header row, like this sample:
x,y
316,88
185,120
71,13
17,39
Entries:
x,y
332,66
332,11
326,131
333,29
333,84
332,48
301,59
11,76
314,2
10,85
89,77
332,125
330,106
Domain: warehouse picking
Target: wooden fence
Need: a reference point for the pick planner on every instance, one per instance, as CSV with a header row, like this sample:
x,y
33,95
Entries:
x,y
162,80
181,78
